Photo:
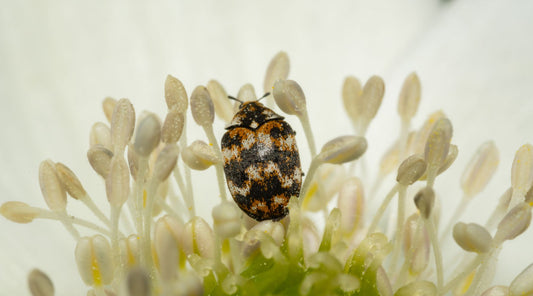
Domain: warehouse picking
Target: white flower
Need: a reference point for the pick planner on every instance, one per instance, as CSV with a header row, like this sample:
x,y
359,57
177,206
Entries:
x,y
59,61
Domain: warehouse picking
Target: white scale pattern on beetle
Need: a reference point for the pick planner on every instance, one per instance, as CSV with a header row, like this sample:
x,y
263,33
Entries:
x,y
258,205
236,121
297,173
278,200
231,153
249,141
289,143
253,173
254,124
265,139
244,191
273,169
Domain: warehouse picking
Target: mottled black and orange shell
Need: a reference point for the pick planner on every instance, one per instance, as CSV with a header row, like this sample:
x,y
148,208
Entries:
x,y
261,162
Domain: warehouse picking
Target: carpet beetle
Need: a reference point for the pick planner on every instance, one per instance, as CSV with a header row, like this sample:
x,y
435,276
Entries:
x,y
261,161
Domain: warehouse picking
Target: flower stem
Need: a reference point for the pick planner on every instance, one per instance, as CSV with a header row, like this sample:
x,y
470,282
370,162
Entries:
x,y
146,241
399,225
382,208
115,214
485,272
168,209
430,226
376,185
219,166
452,284
67,222
96,211
46,214
139,193
304,120
402,141
455,217
308,179
187,197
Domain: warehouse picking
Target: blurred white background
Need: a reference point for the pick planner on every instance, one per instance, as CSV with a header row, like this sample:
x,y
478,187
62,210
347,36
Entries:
x,y
59,59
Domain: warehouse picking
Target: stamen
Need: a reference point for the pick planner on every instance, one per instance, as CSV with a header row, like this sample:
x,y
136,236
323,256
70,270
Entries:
x,y
203,113
202,108
351,204
351,97
52,189
165,162
198,238
226,220
480,169
472,237
246,94
200,156
100,159
100,135
522,173
290,99
409,97
93,257
278,69
416,247
325,185
175,95
424,201
407,106
437,146
75,189
337,151
521,285
108,106
238,255
172,127
371,98
19,212
514,223
417,288
500,210
138,283
55,195
40,284
342,149
496,291
167,236
118,182
147,135
223,107
122,125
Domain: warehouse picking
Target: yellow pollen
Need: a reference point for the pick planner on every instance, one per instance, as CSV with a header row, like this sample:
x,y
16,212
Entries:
x,y
131,258
467,282
182,259
144,199
225,246
195,248
97,276
312,190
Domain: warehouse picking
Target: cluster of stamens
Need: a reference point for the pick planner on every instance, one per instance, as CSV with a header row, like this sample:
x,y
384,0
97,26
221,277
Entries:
x,y
154,243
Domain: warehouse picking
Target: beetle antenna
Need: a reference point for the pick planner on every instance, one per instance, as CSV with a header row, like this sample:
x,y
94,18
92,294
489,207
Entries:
x,y
235,99
264,96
